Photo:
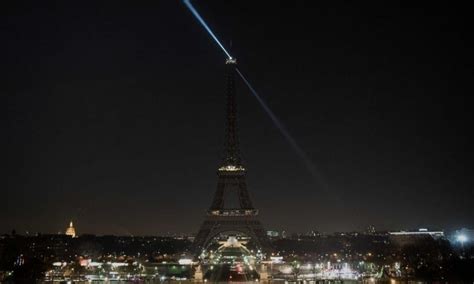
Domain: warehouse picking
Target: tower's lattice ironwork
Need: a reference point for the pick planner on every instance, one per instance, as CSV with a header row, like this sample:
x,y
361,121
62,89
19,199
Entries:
x,y
231,209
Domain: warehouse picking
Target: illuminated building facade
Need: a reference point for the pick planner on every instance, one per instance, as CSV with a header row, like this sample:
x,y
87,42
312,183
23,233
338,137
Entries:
x,y
415,236
419,232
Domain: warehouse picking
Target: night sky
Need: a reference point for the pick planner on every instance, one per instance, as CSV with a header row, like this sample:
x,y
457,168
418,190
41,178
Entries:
x,y
114,114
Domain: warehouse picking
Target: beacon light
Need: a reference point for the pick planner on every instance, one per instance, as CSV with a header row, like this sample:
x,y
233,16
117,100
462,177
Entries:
x,y
203,23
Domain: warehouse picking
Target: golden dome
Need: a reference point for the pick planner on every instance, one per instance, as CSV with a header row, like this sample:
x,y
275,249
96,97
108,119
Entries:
x,y
70,231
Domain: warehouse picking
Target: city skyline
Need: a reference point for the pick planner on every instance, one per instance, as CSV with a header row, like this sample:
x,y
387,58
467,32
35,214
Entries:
x,y
454,236
116,117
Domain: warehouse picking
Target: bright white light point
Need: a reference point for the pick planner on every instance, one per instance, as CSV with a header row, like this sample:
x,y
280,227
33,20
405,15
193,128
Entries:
x,y
461,238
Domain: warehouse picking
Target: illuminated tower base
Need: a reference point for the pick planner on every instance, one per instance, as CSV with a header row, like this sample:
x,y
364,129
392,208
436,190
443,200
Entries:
x,y
242,220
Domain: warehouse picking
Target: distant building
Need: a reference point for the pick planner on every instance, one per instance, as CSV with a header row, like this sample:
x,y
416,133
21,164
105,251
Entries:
x,y
312,233
70,231
370,230
419,232
414,236
273,234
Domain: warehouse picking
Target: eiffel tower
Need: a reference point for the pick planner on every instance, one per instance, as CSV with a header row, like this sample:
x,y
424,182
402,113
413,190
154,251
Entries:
x,y
231,210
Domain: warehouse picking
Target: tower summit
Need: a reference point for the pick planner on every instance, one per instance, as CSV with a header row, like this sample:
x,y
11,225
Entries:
x,y
231,210
232,160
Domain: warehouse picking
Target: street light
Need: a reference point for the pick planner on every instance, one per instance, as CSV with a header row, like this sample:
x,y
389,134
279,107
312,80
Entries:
x,y
462,238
